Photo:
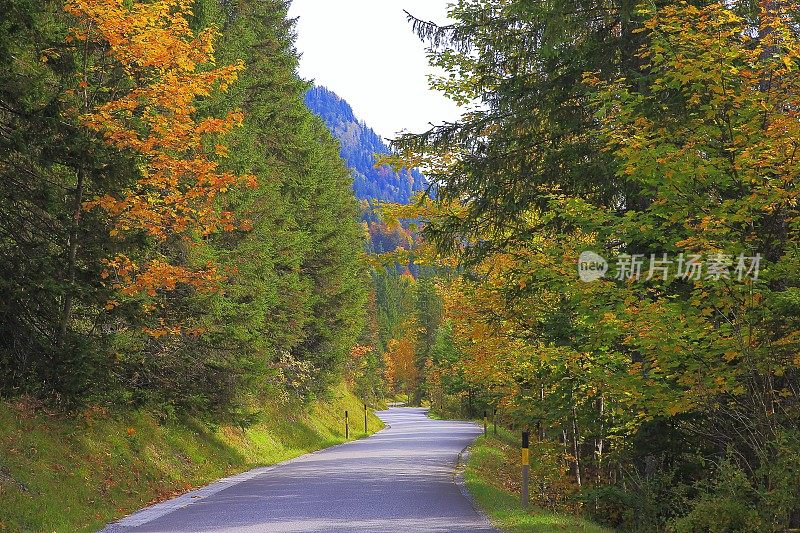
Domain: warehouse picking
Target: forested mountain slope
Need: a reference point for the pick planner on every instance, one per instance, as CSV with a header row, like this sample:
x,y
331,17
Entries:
x,y
359,144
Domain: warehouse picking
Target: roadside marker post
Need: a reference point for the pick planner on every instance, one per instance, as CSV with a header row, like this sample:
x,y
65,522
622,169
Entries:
x,y
366,428
346,425
485,427
526,467
494,421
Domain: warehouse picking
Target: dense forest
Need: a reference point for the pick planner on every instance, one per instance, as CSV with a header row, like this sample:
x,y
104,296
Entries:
x,y
393,290
611,258
178,229
614,253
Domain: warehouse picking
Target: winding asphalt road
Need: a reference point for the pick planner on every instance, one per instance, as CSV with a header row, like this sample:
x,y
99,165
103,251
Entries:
x,y
401,479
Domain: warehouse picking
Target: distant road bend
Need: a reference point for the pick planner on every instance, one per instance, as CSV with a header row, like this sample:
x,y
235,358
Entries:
x,y
400,479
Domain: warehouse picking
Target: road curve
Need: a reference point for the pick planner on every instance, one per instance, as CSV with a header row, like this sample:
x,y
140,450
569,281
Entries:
x,y
400,479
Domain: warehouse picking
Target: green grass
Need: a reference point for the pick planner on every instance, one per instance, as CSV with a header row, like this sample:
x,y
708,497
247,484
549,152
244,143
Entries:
x,y
78,474
487,476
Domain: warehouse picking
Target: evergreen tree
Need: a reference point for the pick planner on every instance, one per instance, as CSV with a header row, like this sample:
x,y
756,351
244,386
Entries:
x,y
293,294
53,327
299,292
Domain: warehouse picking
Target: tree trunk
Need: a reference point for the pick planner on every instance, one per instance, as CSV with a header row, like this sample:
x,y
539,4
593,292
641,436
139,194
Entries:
x,y
600,441
539,425
66,310
72,242
575,447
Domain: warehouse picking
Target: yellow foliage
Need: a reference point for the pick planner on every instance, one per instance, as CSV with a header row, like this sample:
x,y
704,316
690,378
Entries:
x,y
169,67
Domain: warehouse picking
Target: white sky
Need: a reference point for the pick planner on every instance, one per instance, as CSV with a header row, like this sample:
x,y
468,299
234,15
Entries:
x,y
365,51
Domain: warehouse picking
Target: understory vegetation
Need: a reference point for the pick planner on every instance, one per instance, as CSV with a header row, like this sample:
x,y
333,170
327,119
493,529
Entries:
x,y
492,476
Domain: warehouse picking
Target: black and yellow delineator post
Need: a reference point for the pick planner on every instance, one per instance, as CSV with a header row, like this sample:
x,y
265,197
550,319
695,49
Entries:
x,y
346,425
366,428
526,467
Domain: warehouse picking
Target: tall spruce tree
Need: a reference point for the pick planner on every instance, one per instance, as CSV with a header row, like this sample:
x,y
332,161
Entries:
x,y
293,299
51,294
299,292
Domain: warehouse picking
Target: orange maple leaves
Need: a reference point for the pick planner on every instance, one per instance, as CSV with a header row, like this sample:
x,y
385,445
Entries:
x,y
169,68
359,352
399,360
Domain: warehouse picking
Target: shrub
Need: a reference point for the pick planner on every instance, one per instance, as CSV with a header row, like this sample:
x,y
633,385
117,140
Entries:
x,y
728,506
638,503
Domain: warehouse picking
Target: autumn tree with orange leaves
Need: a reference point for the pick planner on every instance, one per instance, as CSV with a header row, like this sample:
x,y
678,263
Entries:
x,y
401,373
174,202
131,135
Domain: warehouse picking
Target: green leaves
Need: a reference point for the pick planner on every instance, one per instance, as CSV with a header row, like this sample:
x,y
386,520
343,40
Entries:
x,y
671,130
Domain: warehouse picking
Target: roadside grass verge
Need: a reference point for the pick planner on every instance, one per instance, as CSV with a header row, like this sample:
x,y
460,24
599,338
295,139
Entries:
x,y
492,465
78,474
